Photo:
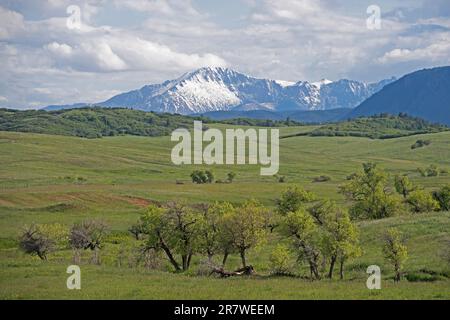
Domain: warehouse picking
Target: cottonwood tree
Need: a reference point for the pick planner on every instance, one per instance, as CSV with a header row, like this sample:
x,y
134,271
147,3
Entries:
x,y
88,234
137,230
302,229
293,199
368,189
214,236
35,242
341,239
322,210
422,201
442,196
403,185
395,251
244,227
175,229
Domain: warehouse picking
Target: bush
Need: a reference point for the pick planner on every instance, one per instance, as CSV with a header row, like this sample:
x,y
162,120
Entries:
x,y
280,260
422,201
422,277
199,177
209,176
231,176
420,144
322,179
432,171
202,177
443,198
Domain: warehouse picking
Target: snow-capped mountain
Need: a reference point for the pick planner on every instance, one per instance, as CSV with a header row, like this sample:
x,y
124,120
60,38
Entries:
x,y
203,90
221,89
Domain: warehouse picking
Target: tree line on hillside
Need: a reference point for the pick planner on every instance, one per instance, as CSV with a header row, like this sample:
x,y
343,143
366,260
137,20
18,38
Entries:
x,y
316,232
97,122
382,126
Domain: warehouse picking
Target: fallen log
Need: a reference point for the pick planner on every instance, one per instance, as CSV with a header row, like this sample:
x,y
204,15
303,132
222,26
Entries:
x,y
246,271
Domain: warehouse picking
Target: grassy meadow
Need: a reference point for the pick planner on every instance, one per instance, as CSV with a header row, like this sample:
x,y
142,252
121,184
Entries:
x,y
59,179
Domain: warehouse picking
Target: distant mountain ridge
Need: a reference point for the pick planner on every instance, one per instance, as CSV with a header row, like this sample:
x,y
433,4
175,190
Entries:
x,y
424,94
304,116
221,89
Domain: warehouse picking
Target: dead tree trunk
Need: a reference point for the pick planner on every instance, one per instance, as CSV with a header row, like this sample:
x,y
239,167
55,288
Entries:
x,y
247,271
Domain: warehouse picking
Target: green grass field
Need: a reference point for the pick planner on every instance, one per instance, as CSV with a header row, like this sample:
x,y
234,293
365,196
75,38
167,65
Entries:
x,y
56,179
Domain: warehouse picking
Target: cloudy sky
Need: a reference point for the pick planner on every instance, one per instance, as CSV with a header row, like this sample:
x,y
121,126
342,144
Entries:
x,y
49,56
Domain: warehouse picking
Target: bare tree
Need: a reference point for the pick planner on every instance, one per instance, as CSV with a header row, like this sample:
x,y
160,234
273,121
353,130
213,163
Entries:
x,y
88,234
33,241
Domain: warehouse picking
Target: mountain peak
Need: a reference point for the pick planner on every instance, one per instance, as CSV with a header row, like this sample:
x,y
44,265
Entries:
x,y
221,89
321,83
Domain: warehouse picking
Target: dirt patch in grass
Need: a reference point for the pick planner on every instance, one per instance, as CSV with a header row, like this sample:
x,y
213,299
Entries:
x,y
139,202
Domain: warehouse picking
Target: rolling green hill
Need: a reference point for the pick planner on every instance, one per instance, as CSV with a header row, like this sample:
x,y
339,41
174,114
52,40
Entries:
x,y
60,179
92,122
382,126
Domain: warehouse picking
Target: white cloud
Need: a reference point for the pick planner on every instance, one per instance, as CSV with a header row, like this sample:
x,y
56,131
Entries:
x,y
156,40
439,51
10,23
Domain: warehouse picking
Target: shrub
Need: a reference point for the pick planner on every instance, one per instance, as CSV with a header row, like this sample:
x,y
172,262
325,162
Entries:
x,y
202,177
322,179
209,176
422,201
280,260
422,277
432,171
199,177
231,176
420,144
443,198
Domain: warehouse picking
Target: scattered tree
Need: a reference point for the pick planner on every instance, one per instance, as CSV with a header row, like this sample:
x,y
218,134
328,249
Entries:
x,y
341,240
137,230
174,229
300,227
395,251
293,199
443,198
422,201
368,189
403,185
245,227
34,241
88,234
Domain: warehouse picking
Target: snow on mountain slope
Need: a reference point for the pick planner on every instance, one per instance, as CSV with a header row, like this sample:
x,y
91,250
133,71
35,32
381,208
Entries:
x,y
214,89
